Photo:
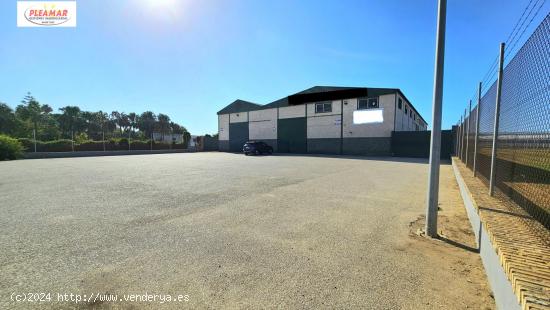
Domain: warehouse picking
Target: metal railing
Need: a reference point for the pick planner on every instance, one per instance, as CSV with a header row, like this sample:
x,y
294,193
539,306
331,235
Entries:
x,y
521,145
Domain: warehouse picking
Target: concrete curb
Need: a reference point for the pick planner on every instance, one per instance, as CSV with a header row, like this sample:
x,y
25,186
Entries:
x,y
97,153
505,298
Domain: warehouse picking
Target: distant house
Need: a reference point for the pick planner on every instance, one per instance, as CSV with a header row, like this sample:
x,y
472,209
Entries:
x,y
321,119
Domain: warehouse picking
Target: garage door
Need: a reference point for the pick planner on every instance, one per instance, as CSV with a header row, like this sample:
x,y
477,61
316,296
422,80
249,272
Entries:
x,y
238,135
291,135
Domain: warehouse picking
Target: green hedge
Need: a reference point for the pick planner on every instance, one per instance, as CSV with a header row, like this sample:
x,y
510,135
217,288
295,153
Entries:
x,y
120,144
10,148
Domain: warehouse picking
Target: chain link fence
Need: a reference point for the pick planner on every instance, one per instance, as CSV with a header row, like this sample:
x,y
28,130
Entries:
x,y
522,163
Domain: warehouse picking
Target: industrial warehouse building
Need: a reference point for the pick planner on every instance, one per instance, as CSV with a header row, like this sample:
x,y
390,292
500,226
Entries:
x,y
321,120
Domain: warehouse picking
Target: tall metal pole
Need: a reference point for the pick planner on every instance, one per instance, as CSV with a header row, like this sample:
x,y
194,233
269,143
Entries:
x,y
435,143
497,117
129,137
474,167
468,131
72,141
103,134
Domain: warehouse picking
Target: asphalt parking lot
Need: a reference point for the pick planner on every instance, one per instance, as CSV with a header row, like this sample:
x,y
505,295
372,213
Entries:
x,y
224,229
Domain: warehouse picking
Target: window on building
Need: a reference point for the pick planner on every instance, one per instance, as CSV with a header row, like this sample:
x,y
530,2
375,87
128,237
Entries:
x,y
411,113
367,103
406,110
323,107
400,103
415,117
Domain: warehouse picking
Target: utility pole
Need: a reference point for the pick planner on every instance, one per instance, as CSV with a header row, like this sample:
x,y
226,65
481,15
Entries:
x,y
477,127
497,117
435,141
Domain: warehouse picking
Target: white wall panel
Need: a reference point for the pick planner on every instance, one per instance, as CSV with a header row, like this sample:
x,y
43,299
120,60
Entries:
x,y
385,102
335,108
326,126
240,117
262,115
263,124
223,127
292,111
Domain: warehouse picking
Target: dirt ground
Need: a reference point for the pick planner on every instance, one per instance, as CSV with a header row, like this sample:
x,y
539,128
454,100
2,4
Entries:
x,y
454,254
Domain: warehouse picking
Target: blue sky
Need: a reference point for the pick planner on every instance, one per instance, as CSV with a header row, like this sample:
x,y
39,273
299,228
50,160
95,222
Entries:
x,y
190,58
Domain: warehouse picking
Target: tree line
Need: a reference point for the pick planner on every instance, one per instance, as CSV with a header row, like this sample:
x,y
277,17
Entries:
x,y
32,118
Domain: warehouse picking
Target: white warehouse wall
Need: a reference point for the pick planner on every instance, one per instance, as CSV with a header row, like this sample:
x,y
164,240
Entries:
x,y
241,117
292,111
350,130
223,127
262,124
324,125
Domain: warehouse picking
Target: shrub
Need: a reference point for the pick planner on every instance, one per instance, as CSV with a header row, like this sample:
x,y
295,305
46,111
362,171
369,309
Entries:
x,y
81,138
123,144
140,145
63,145
161,146
179,146
10,148
28,144
90,146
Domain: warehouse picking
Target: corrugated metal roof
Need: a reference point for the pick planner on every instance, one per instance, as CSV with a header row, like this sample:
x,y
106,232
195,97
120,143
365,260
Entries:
x,y
323,89
312,93
239,106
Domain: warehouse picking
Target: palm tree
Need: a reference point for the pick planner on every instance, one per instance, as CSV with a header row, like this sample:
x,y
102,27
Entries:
x,y
124,121
132,117
164,124
71,119
115,118
146,123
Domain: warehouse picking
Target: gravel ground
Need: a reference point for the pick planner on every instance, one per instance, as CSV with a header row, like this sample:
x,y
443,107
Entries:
x,y
223,229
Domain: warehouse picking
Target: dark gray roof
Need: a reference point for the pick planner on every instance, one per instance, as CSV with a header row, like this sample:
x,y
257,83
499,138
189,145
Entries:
x,y
239,106
313,92
323,89
283,102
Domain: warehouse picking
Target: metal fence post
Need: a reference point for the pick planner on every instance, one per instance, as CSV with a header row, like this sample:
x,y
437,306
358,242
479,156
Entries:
x,y
456,139
72,141
468,131
103,134
461,136
497,117
464,139
435,140
129,137
477,127
458,135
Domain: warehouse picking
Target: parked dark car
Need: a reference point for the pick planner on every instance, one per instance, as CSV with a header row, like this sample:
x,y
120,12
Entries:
x,y
257,148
